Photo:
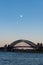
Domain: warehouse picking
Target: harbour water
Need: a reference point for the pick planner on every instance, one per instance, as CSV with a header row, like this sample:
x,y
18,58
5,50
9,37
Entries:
x,y
12,58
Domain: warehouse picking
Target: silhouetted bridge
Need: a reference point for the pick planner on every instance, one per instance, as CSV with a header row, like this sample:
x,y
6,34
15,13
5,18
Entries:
x,y
13,47
26,41
31,47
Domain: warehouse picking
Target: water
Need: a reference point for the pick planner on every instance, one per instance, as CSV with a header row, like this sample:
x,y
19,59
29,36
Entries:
x,y
11,58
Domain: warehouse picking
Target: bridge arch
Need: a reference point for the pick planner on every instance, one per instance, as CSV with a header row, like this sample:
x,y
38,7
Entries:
x,y
26,41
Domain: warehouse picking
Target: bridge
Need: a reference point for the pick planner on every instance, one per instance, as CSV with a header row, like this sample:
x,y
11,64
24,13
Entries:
x,y
27,46
26,41
30,45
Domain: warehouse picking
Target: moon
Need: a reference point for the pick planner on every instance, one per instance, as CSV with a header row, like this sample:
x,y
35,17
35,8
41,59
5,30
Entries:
x,y
21,16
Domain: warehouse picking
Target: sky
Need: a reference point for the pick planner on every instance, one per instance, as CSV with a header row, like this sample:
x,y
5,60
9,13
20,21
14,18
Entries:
x,y
21,19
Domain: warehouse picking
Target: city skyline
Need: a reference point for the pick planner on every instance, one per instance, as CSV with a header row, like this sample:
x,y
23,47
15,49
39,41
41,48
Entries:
x,y
21,19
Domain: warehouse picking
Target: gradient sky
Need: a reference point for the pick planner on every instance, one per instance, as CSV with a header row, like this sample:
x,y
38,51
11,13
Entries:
x,y
21,19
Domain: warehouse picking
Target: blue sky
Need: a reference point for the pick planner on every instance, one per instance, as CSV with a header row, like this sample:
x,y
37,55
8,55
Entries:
x,y
21,19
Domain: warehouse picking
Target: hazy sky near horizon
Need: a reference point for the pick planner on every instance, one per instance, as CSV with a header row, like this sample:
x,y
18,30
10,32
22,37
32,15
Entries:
x,y
21,19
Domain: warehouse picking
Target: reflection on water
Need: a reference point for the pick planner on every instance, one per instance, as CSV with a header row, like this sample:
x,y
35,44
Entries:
x,y
11,58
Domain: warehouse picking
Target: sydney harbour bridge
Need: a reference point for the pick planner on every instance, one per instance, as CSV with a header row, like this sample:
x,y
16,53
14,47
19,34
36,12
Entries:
x,y
16,45
23,46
